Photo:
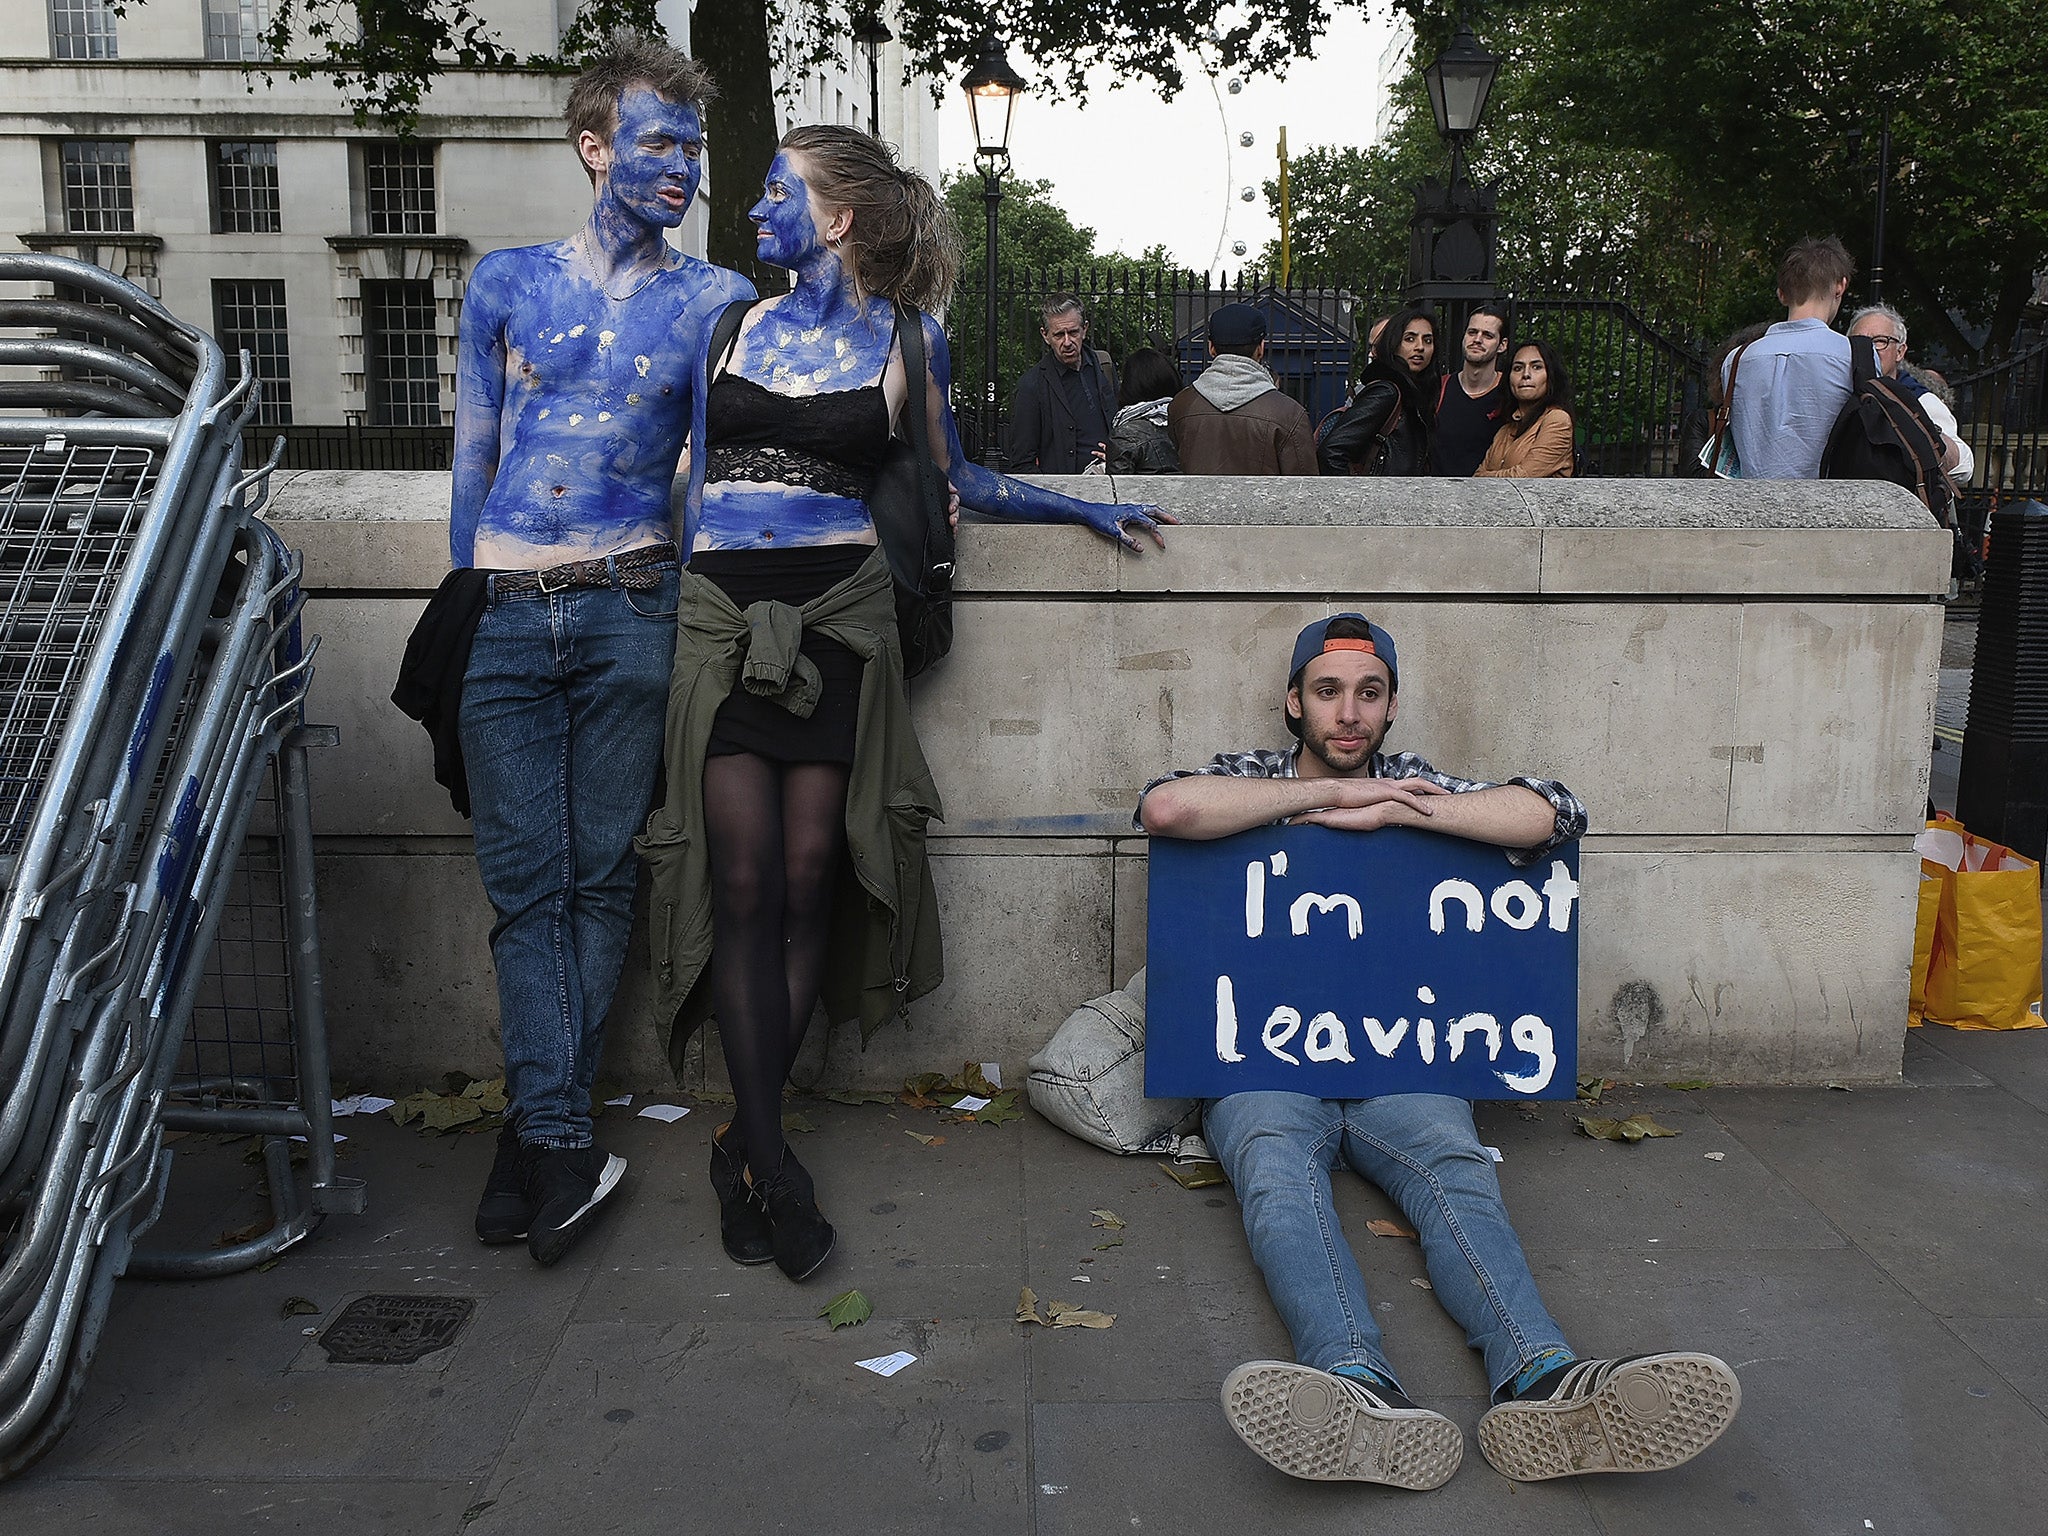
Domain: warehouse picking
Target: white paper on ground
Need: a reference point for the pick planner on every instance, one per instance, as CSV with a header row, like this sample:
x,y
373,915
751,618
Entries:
x,y
667,1114
887,1365
993,1071
1494,1153
338,1138
970,1104
359,1104
623,1101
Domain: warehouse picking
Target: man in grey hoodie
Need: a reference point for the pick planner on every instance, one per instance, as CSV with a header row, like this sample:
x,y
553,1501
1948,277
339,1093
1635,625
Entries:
x,y
1234,420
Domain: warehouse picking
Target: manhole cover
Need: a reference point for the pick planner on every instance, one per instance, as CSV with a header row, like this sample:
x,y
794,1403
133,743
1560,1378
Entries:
x,y
395,1330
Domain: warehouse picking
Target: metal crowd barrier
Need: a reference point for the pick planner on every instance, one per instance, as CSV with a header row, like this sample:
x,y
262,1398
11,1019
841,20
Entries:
x,y
153,684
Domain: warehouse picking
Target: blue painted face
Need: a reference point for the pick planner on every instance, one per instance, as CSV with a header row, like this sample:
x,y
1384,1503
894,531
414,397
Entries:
x,y
786,226
657,160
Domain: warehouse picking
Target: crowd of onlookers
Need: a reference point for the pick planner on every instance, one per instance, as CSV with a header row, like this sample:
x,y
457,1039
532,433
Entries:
x,y
1500,407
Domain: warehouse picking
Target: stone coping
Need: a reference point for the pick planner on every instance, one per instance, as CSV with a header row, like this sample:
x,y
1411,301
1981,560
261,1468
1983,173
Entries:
x,y
1273,537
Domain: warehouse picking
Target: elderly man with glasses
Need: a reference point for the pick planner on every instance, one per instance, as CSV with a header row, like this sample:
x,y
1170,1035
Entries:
x,y
1886,328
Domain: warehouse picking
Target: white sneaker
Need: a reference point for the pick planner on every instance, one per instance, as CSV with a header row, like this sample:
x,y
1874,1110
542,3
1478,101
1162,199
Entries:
x,y
1311,1424
1640,1414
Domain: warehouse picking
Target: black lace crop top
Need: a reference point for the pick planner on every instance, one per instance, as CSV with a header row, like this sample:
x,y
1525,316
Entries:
x,y
832,442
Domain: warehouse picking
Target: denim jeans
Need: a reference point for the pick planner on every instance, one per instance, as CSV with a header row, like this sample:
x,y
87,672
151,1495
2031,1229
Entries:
x,y
562,714
1279,1150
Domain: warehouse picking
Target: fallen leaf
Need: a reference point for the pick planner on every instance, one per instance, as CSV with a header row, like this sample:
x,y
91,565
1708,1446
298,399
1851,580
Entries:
x,y
860,1096
1421,1283
1108,1219
930,1141
1194,1175
1114,1242
706,1096
235,1237
918,1090
446,1111
1690,1084
1060,1314
268,1265
975,1081
849,1309
1000,1110
1027,1306
1379,1227
298,1306
796,1121
1635,1128
1591,1088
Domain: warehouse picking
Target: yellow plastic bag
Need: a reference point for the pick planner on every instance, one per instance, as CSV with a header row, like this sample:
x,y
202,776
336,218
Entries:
x,y
1977,963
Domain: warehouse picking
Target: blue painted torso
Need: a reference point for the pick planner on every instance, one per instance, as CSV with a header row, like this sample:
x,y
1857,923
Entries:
x,y
596,401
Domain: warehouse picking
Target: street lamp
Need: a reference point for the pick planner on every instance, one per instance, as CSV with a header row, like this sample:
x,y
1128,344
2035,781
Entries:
x,y
1884,177
1451,245
992,89
870,32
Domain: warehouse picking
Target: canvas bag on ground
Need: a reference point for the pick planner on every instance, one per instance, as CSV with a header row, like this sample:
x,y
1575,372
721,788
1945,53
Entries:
x,y
1089,1080
1978,964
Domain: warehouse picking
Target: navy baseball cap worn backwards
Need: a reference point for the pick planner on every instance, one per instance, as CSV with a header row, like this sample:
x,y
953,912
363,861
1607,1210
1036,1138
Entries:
x,y
1316,640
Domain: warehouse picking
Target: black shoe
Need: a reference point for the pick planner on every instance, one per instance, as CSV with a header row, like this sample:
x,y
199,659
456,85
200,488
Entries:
x,y
564,1186
742,1218
802,1236
504,1213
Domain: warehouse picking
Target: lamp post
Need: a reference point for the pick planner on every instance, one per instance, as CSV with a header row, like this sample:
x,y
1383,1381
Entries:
x,y
870,32
1451,250
1884,179
992,89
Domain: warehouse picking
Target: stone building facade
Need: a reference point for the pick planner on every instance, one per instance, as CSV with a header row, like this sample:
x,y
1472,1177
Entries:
x,y
336,254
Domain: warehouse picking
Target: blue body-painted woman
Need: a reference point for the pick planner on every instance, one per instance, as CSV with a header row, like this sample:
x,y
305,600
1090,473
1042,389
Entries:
x,y
827,335
799,414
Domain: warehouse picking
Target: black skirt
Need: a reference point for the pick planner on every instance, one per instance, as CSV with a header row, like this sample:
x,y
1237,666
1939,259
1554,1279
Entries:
x,y
749,723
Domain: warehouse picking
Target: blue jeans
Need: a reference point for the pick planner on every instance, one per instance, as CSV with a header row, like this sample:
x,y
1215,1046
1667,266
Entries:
x,y
562,714
1279,1150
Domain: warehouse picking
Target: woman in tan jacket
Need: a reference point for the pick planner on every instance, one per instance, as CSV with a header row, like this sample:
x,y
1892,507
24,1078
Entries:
x,y
1535,442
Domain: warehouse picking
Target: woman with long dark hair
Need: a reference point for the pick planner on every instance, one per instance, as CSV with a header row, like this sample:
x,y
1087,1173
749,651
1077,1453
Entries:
x,y
1385,429
789,738
1139,443
1535,442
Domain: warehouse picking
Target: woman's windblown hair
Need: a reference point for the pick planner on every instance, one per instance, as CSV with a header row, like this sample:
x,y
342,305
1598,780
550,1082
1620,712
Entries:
x,y
902,244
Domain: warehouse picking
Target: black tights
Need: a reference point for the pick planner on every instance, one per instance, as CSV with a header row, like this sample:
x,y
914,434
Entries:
x,y
773,831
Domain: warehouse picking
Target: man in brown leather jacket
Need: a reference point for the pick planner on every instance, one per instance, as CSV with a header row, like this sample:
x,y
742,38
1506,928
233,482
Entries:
x,y
1234,420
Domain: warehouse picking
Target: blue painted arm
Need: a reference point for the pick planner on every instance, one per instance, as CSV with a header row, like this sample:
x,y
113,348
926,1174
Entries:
x,y
479,404
997,495
731,288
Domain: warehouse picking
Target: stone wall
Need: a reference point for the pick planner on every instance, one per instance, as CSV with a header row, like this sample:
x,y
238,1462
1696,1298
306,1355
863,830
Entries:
x,y
1738,680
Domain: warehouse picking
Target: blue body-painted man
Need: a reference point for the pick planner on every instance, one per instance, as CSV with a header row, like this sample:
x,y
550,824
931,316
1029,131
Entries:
x,y
577,390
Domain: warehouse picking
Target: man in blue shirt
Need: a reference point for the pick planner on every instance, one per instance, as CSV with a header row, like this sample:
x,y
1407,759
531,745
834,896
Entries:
x,y
1791,384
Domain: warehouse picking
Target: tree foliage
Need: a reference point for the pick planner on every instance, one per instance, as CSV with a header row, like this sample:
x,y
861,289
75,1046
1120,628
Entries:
x,y
1675,147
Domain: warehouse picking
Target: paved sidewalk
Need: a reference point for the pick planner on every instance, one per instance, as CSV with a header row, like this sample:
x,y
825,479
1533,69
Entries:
x,y
1874,1263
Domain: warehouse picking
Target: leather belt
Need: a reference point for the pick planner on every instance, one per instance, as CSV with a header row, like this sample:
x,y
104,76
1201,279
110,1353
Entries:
x,y
637,570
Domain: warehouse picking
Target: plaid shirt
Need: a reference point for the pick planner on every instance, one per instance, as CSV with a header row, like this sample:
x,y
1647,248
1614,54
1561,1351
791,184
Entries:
x,y
1570,815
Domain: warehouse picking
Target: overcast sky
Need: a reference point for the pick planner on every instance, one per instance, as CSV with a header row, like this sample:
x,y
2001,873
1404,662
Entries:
x,y
1140,171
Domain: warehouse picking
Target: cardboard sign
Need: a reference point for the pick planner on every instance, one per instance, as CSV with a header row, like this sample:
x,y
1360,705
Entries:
x,y
1345,965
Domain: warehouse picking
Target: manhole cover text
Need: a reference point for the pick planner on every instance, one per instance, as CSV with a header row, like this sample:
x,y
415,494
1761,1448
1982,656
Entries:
x,y
395,1330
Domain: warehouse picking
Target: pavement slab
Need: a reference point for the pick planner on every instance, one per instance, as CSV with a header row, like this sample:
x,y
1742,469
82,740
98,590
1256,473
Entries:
x,y
1870,1262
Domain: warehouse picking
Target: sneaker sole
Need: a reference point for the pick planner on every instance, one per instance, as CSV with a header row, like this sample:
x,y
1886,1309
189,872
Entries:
x,y
548,1245
1294,1418
1655,1414
495,1237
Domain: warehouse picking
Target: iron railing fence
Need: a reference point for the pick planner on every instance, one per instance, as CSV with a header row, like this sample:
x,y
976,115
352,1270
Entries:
x,y
1640,377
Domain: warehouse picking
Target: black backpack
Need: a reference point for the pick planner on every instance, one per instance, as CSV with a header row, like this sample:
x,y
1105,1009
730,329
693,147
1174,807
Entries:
x,y
908,505
1882,434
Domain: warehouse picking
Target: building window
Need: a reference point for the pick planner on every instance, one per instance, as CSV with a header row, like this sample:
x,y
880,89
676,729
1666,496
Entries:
x,y
248,315
236,30
401,354
99,196
82,29
245,187
398,188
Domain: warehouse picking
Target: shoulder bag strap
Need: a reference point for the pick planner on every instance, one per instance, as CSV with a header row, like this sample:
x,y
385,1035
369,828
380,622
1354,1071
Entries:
x,y
725,334
910,336
1726,413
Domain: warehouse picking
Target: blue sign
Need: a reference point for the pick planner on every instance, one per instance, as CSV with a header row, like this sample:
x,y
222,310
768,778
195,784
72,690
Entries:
x,y
1350,964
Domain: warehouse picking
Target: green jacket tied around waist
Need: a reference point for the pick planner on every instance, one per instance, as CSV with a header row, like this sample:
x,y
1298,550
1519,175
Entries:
x,y
883,949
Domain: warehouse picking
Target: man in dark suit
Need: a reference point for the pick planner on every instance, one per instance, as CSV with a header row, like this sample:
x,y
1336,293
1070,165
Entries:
x,y
1061,413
